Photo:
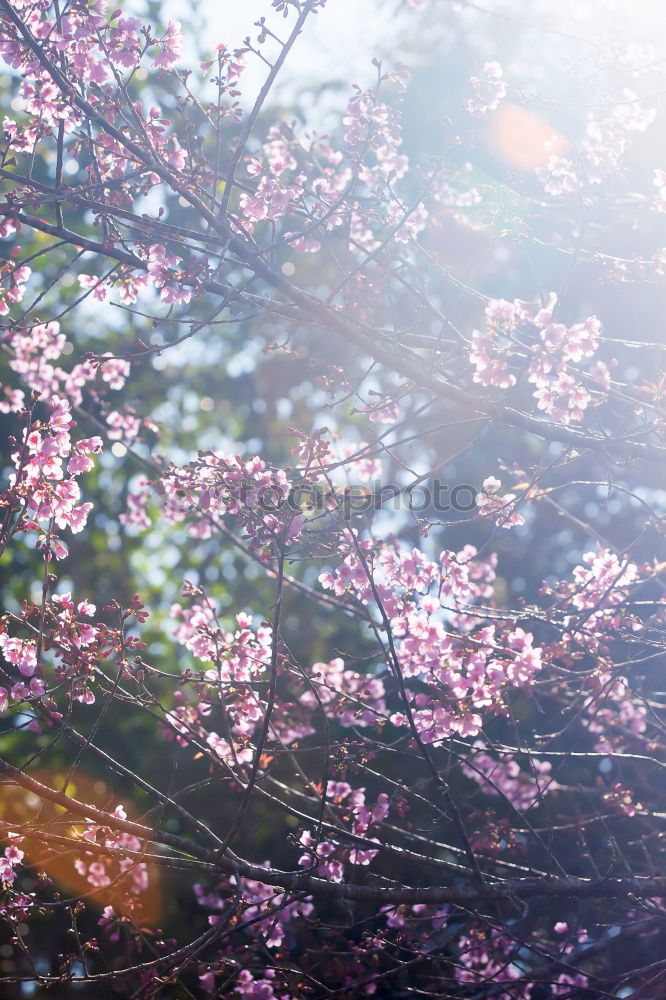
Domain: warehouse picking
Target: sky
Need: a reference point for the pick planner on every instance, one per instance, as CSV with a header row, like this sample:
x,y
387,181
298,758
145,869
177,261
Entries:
x,y
338,42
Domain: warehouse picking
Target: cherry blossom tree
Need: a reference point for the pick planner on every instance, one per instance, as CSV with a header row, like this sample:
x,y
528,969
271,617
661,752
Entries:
x,y
366,636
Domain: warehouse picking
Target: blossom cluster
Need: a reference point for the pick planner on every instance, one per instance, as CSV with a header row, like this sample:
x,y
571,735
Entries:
x,y
102,873
328,858
488,90
554,353
465,673
599,155
504,776
248,490
265,905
